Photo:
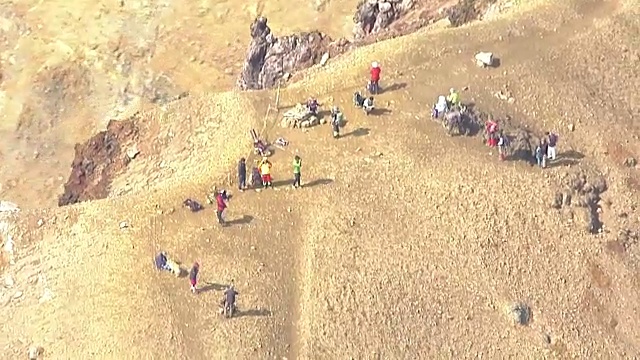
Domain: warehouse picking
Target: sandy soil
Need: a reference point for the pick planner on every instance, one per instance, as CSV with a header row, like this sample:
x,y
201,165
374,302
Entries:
x,y
404,243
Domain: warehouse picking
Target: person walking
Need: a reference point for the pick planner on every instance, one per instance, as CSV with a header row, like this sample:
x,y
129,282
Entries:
x,y
193,277
242,174
221,203
297,165
552,141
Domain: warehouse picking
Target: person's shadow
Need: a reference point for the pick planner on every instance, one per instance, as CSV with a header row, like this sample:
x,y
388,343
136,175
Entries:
x,y
212,287
244,220
253,312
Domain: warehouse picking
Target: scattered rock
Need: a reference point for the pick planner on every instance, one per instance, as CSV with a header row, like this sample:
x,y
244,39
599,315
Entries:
x,y
124,225
17,295
571,127
630,162
40,222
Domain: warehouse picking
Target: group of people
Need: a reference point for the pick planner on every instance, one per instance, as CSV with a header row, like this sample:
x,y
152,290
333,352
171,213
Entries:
x,y
263,169
446,103
163,262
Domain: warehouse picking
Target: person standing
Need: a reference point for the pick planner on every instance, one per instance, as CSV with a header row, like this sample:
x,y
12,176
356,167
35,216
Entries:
x,y
265,172
193,277
552,141
221,203
453,98
242,174
336,121
502,146
374,83
297,165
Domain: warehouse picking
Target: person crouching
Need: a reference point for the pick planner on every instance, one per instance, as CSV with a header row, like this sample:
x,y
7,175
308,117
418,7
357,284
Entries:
x,y
367,106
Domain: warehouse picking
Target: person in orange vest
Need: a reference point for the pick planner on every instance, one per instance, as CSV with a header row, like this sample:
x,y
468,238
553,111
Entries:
x,y
265,172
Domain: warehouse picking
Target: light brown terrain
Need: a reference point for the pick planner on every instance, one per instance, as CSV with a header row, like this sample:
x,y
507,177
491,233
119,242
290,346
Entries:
x,y
404,243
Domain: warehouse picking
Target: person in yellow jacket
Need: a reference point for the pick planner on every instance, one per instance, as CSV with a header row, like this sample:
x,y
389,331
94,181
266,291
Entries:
x,y
265,172
454,98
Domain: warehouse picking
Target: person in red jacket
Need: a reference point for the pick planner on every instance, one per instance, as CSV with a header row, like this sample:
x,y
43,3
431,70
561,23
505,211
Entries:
x,y
374,86
221,202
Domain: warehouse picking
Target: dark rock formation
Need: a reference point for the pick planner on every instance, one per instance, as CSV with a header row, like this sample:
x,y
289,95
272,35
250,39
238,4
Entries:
x,y
523,145
97,161
375,16
269,58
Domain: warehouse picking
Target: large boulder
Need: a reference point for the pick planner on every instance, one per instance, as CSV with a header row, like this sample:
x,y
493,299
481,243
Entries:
x,y
269,58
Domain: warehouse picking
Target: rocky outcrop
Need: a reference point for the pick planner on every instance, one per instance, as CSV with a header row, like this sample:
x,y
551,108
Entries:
x,y
270,58
375,16
97,161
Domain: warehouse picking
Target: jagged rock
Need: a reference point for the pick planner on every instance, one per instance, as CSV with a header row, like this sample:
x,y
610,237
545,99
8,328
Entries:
x,y
630,162
522,146
374,16
34,352
269,58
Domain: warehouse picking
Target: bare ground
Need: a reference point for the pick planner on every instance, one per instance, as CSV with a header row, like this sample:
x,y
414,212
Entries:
x,y
405,243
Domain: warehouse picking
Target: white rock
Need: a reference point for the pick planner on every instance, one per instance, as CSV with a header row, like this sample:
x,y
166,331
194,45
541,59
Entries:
x,y
46,296
124,224
40,222
34,352
8,281
484,59
6,206
133,151
571,127
324,59
17,295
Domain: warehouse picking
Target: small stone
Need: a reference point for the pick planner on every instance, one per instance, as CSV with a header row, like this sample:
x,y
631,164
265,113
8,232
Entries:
x,y
571,127
133,151
324,59
8,281
288,209
253,248
124,224
17,295
34,352
40,222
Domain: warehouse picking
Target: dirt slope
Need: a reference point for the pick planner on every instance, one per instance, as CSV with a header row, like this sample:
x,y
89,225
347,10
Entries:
x,y
406,243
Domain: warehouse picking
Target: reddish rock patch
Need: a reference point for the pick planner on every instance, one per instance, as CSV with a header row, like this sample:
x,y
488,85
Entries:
x,y
97,161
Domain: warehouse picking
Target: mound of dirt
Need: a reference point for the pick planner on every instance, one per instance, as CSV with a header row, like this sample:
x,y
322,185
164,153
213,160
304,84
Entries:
x,y
269,58
97,161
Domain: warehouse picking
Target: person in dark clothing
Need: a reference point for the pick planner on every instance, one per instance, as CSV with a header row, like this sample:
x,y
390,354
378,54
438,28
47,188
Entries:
x,y
221,202
161,262
229,299
336,121
193,277
552,140
242,174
